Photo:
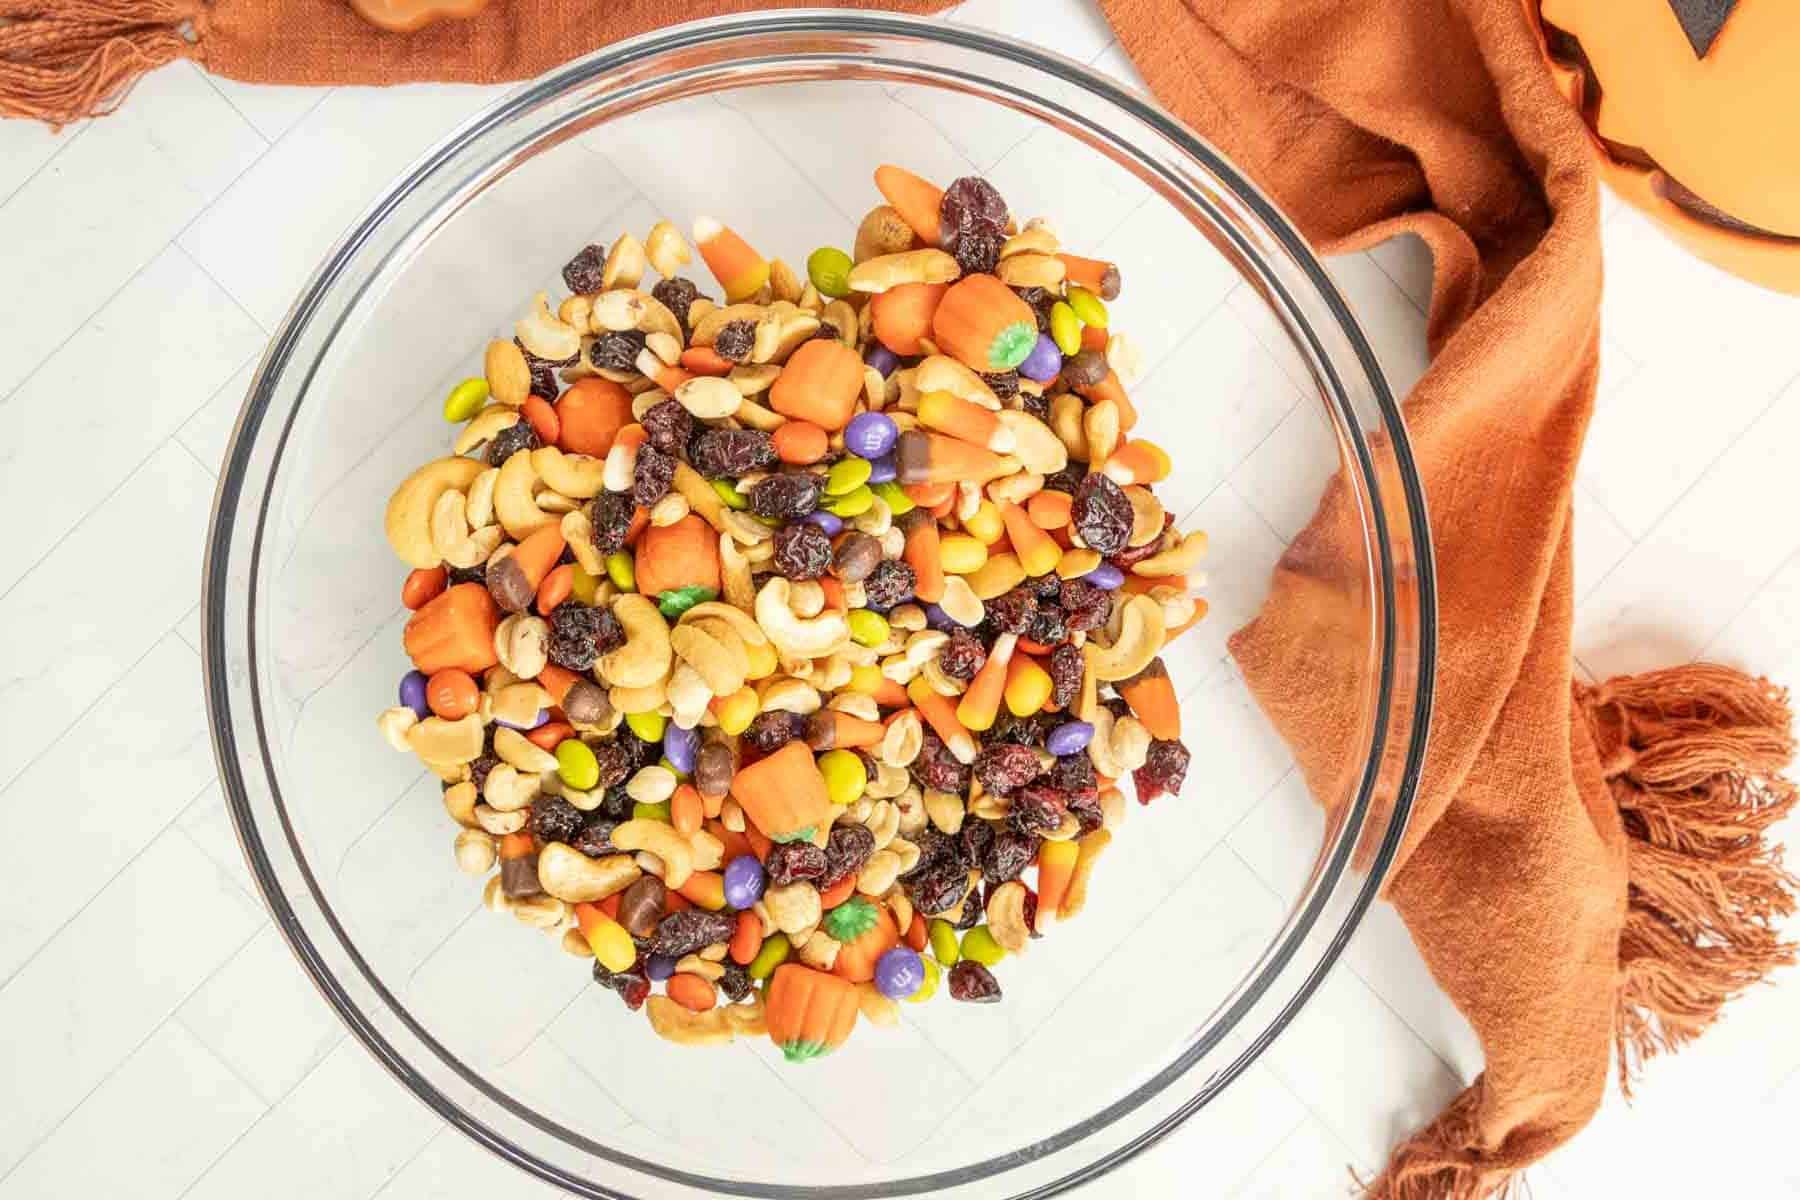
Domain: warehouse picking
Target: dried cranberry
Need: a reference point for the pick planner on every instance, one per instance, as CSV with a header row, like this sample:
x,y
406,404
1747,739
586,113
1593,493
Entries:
x,y
937,768
677,295
651,478
972,843
583,272
1073,773
554,819
936,848
1005,768
973,983
971,912
1067,669
668,426
1085,808
594,839
1017,731
617,762
792,862
1047,588
1102,514
962,656
736,983
847,852
632,984
616,351
889,584
691,929
1036,810
610,516
1008,856
802,551
789,497
729,453
770,731
509,441
1085,607
1012,611
1164,770
579,633
735,340
940,889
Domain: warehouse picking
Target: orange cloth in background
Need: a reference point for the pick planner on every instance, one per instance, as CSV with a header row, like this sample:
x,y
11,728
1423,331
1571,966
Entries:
x,y
1585,868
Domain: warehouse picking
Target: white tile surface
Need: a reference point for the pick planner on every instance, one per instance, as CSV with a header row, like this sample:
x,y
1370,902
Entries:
x,y
150,253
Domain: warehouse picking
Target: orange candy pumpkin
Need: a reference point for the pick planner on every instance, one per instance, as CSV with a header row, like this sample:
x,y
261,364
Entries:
x,y
783,794
685,554
820,383
865,931
454,630
809,1013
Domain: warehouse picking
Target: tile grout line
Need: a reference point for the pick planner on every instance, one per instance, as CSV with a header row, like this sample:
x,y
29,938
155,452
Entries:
x,y
46,164
1749,600
1249,1176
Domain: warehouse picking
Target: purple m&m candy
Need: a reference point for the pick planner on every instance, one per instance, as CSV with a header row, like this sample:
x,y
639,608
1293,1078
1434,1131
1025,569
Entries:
x,y
938,619
412,693
680,746
882,359
1071,737
899,973
744,881
883,470
659,967
1044,362
543,715
871,435
831,523
1105,576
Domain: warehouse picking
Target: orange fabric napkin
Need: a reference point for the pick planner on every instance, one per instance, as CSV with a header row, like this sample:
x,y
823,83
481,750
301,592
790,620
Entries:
x,y
1585,872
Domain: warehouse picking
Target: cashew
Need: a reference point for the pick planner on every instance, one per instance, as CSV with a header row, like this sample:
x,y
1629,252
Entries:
x,y
1033,239
487,424
646,656
568,874
945,810
459,802
1066,413
790,695
1100,425
879,873
1112,808
1031,269
515,748
624,265
577,475
709,851
793,906
1006,917
661,840
508,374
407,520
523,644
394,724
494,897
645,699
670,509
793,636
518,703
940,373
475,852
541,911
721,661
576,311
709,398
541,333
1034,443
1184,557
693,964
437,740
909,266
500,823
1075,899
685,1027
508,789
1140,637
515,500
666,249
1099,748
688,696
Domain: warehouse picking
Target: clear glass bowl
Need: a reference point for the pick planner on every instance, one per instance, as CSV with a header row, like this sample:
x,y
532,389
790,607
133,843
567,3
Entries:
x,y
1185,964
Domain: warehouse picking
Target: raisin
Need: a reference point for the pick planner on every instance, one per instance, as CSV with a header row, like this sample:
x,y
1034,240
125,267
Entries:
x,y
1085,606
971,912
972,843
728,453
973,983
847,852
1036,810
632,984
770,731
802,551
1045,588
677,295
1067,479
889,584
1067,668
962,656
1004,384
1012,611
1073,773
1048,627
936,768
1008,856
474,574
971,204
478,770
1036,404
616,761
543,381
1131,555
792,862
616,351
583,272
1165,770
735,341
735,983
1006,768
976,251
1085,808
940,889
789,497
1016,731
617,804
1041,300
651,478
610,515
594,839
554,819
1102,514
690,930
509,441
936,849
668,426
579,634
827,332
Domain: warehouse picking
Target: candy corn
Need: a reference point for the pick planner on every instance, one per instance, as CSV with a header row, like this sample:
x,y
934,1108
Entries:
x,y
981,703
1138,462
741,271
1037,550
923,554
970,422
1056,866
941,716
938,458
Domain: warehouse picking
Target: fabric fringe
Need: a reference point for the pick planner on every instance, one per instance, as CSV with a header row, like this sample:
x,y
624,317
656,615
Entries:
x,y
66,60
1693,756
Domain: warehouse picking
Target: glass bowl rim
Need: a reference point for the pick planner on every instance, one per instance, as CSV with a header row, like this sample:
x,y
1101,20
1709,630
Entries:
x,y
237,470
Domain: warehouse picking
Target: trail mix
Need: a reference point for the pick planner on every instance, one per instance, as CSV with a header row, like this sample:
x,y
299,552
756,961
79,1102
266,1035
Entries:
x,y
785,651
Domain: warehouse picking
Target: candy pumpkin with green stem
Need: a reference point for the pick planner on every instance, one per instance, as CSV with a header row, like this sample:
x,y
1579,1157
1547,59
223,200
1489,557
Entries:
x,y
865,931
809,1013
